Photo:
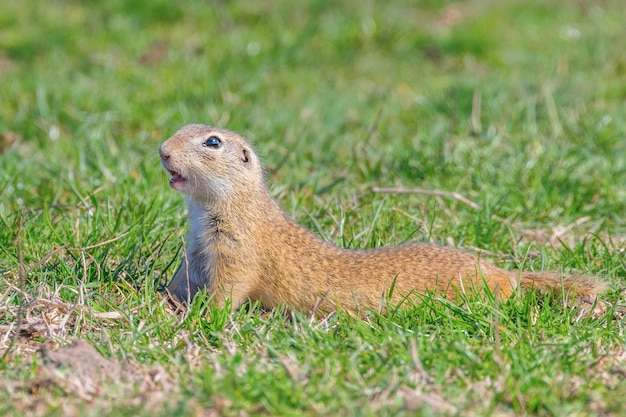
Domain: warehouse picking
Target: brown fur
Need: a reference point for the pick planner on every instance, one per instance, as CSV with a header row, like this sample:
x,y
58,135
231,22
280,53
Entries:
x,y
244,247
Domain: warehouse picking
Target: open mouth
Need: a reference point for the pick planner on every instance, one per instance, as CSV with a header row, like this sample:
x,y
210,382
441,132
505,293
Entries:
x,y
177,180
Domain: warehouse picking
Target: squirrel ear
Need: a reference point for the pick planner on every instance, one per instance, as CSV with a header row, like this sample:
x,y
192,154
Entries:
x,y
245,157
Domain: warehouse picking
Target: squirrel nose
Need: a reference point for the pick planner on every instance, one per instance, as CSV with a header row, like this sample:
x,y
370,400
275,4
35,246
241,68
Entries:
x,y
163,153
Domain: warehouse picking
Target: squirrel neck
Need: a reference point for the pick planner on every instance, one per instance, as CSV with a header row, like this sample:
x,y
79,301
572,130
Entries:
x,y
247,220
227,219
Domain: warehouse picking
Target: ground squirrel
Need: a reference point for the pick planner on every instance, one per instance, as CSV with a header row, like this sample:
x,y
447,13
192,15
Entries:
x,y
242,246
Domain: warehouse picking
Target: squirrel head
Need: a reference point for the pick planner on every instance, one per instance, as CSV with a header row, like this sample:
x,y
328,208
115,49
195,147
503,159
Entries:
x,y
209,163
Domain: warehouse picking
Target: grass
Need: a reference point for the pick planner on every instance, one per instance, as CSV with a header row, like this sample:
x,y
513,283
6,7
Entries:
x,y
515,105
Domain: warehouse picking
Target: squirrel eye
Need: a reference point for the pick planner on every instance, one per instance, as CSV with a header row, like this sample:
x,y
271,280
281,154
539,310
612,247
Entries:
x,y
212,142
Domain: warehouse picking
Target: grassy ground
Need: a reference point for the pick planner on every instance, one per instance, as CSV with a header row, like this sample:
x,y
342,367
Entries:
x,y
516,105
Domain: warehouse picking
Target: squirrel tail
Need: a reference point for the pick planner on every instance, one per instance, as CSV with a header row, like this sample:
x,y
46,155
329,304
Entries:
x,y
583,286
